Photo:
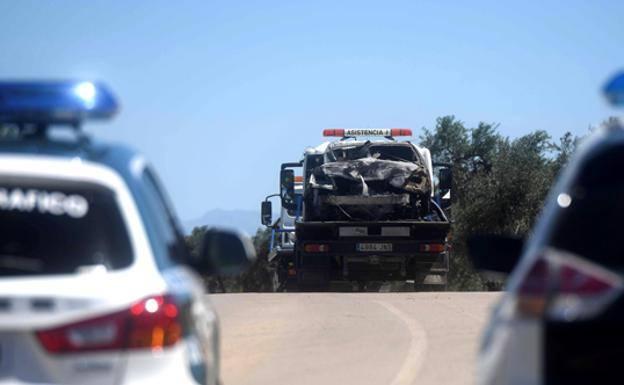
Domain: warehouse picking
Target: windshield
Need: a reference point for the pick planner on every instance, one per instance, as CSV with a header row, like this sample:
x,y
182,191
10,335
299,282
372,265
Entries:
x,y
391,151
52,227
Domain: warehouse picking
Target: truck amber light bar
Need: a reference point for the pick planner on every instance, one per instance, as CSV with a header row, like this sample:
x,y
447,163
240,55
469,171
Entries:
x,y
352,132
432,247
316,248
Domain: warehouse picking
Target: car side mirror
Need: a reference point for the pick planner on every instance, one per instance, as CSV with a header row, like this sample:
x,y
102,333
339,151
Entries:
x,y
224,252
495,253
445,178
287,189
266,213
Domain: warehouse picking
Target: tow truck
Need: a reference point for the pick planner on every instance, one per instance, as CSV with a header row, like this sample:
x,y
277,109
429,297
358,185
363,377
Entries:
x,y
364,208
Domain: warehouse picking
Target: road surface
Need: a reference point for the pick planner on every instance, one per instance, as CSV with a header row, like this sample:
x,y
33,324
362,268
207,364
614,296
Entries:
x,y
351,338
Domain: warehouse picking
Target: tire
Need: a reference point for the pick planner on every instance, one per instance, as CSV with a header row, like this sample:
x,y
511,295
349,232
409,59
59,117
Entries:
x,y
424,287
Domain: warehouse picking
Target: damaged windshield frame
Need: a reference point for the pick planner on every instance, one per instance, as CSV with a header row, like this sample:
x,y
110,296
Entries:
x,y
362,150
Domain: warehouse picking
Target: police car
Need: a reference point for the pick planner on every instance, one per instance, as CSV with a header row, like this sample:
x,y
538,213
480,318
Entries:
x,y
96,284
561,320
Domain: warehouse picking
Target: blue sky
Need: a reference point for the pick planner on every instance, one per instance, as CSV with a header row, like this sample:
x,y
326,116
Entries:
x,y
218,93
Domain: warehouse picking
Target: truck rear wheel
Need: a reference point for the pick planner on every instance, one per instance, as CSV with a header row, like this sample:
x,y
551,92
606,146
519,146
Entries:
x,y
429,287
430,282
312,288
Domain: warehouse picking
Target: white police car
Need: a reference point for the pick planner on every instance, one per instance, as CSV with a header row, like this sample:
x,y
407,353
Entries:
x,y
96,284
561,320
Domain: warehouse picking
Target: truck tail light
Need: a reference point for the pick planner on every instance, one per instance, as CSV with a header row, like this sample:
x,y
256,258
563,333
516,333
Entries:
x,y
431,247
565,287
152,323
316,248
291,269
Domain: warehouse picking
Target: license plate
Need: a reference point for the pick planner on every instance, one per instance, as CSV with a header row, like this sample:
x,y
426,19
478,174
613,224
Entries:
x,y
373,247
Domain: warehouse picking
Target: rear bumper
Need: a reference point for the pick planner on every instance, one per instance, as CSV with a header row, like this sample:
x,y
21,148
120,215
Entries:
x,y
349,248
169,366
419,230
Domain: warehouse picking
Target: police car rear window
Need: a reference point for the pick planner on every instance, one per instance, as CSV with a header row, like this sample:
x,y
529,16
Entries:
x,y
50,227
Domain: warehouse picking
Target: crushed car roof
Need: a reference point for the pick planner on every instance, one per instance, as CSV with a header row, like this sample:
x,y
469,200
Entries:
x,y
322,148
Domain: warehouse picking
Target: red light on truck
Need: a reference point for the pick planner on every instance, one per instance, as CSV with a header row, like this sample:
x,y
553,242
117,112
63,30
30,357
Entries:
x,y
340,132
292,272
316,248
432,248
401,132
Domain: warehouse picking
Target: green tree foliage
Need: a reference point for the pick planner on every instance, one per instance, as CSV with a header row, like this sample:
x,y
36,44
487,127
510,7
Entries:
x,y
499,184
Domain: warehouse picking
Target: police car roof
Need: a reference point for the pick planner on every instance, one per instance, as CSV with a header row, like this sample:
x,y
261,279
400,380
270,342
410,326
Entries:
x,y
115,156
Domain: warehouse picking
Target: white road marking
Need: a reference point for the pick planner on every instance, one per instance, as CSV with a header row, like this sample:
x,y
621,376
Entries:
x,y
416,352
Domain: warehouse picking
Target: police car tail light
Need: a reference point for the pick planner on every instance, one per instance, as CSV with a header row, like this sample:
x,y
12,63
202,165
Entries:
x,y
101,333
564,287
155,323
152,323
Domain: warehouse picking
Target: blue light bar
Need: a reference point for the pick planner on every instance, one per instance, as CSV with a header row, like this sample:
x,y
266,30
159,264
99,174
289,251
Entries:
x,y
614,90
57,102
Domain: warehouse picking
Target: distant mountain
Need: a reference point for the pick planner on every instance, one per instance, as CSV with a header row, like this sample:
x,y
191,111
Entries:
x,y
244,220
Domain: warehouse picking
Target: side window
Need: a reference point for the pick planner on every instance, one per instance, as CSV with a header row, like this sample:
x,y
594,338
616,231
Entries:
x,y
163,219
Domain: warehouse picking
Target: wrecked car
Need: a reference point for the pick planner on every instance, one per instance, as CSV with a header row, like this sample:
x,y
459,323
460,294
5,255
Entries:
x,y
368,181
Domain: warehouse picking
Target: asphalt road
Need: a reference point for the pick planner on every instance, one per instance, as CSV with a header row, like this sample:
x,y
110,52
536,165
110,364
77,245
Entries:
x,y
354,338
